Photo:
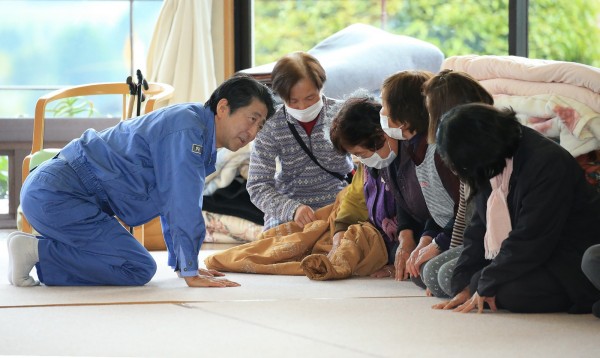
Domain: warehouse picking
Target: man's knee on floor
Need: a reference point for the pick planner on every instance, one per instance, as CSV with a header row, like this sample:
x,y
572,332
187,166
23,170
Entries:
x,y
143,272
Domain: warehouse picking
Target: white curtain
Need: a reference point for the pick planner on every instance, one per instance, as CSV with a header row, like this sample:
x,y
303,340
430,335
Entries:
x,y
181,50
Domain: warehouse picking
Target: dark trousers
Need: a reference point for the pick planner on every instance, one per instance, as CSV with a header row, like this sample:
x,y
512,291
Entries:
x,y
535,292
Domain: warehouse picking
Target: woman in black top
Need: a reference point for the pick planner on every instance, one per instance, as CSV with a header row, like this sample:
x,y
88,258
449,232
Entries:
x,y
543,216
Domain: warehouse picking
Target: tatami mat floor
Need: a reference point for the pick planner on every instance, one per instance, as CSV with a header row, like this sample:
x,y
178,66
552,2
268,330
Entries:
x,y
290,318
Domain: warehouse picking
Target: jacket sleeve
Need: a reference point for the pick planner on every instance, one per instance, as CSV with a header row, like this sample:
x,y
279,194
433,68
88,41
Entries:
x,y
539,202
353,207
405,221
180,174
261,180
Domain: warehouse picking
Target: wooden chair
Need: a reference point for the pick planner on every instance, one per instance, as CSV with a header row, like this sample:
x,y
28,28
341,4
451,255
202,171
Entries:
x,y
156,92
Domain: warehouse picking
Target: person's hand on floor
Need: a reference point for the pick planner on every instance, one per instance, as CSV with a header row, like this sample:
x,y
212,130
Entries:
x,y
208,281
405,247
402,255
411,265
304,215
425,254
385,271
478,302
456,301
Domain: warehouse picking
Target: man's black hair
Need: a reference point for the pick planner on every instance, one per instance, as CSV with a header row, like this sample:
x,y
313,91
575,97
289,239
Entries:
x,y
239,91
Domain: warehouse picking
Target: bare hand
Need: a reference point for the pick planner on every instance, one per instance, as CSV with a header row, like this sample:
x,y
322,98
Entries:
x,y
478,302
405,248
425,254
402,256
208,280
456,301
411,266
304,215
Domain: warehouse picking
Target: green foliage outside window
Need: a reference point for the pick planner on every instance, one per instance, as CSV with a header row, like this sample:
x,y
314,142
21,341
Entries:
x,y
566,30
73,107
3,177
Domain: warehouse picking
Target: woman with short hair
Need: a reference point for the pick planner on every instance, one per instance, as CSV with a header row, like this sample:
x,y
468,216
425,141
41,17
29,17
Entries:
x,y
295,139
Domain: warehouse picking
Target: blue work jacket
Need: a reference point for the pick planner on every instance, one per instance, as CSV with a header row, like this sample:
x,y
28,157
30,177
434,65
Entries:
x,y
154,165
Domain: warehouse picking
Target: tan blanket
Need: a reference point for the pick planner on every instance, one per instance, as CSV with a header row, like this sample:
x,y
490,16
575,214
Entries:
x,y
281,250
360,253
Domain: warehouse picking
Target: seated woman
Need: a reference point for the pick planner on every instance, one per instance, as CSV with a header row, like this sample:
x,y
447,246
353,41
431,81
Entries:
x,y
356,130
444,91
323,251
535,216
311,171
425,190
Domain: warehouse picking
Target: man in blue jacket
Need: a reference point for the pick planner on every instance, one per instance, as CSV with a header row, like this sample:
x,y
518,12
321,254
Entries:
x,y
154,165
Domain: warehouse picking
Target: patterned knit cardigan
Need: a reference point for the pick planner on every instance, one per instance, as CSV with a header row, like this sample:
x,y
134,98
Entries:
x,y
282,176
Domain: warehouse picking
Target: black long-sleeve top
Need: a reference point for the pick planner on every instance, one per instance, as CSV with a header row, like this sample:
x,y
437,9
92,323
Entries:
x,y
555,217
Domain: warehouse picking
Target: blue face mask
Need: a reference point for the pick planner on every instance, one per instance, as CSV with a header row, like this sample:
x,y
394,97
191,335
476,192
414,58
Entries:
x,y
377,162
395,133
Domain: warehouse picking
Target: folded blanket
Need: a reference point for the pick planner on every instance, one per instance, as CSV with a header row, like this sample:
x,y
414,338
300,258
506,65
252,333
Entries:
x,y
575,125
228,165
526,88
279,250
228,229
361,252
526,69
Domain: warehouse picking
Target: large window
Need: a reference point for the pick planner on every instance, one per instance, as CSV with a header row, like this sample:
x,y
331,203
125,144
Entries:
x,y
48,44
3,184
45,45
456,27
566,30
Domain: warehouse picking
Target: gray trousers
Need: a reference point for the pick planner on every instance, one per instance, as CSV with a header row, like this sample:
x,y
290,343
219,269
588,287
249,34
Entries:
x,y
437,273
590,264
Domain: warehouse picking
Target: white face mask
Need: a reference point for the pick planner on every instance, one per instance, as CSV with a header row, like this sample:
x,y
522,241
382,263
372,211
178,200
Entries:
x,y
307,114
377,162
395,133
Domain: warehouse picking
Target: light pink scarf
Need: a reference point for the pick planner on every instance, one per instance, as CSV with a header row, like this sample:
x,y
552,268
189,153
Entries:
x,y
497,215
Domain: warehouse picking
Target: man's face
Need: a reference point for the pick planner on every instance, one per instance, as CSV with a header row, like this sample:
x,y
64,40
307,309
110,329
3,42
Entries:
x,y
233,131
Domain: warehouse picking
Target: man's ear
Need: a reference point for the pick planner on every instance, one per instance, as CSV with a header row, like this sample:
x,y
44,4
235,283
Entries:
x,y
222,108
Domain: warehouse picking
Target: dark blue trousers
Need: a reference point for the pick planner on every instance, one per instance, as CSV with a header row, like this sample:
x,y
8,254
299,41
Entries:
x,y
81,242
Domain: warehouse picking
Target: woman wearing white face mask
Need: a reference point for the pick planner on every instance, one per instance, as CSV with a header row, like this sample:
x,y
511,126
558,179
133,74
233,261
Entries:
x,y
426,191
311,172
356,130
